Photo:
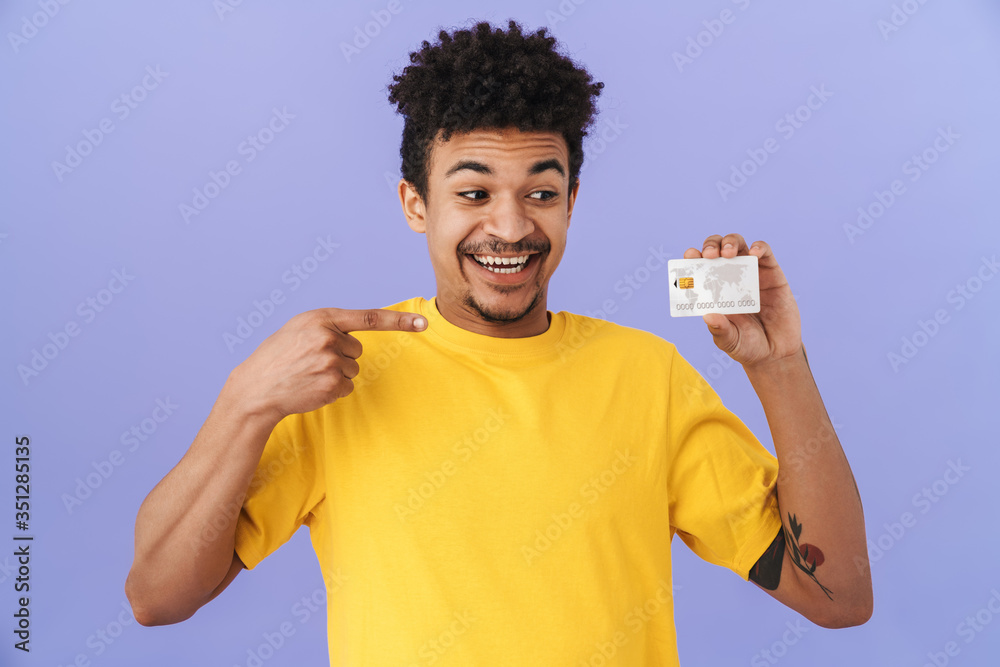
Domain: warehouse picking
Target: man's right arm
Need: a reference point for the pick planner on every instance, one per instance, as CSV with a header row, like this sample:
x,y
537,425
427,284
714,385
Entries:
x,y
185,531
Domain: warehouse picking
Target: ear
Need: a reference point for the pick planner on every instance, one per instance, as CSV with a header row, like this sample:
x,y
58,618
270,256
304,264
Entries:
x,y
572,200
413,206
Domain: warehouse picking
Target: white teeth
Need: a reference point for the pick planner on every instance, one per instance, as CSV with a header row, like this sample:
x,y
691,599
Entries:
x,y
517,263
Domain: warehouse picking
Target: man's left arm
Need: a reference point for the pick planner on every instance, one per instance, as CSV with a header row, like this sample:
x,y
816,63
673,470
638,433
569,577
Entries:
x,y
818,563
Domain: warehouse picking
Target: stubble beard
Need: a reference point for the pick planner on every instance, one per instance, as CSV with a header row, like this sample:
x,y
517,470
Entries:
x,y
498,316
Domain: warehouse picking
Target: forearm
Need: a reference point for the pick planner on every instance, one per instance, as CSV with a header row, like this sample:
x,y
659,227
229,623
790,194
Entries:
x,y
816,487
185,528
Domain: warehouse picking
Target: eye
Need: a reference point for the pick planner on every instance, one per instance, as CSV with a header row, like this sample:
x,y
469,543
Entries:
x,y
550,194
467,192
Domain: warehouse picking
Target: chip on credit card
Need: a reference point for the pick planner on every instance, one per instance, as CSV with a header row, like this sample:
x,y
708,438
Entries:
x,y
721,285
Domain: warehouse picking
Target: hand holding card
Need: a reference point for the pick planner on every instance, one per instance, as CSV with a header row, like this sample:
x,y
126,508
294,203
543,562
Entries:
x,y
752,334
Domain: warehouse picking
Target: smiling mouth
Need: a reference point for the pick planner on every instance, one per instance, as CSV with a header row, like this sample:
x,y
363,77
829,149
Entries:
x,y
503,264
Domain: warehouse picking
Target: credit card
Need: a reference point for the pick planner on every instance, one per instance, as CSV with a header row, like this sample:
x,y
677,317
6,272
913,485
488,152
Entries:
x,y
721,285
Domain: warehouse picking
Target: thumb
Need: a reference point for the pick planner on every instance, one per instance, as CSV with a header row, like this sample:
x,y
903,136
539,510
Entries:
x,y
722,330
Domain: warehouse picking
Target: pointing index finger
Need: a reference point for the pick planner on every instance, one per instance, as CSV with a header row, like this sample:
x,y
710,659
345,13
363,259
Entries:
x,y
372,319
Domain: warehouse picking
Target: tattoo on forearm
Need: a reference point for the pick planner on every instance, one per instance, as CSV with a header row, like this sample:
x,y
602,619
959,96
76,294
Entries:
x,y
766,572
806,557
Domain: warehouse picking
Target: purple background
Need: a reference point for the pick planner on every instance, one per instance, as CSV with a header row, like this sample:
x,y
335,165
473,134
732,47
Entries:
x,y
670,133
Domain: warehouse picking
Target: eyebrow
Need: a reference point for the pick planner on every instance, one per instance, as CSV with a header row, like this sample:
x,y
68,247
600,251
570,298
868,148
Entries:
x,y
480,168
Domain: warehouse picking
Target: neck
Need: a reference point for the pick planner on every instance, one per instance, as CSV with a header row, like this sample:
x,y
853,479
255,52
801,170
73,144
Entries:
x,y
534,322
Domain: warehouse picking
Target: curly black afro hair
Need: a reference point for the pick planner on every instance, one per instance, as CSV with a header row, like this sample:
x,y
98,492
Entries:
x,y
485,78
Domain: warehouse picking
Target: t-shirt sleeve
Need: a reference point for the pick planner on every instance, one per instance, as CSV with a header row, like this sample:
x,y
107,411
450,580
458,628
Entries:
x,y
286,490
722,481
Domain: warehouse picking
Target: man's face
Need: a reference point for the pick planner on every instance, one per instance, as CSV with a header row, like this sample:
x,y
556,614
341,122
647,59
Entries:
x,y
500,194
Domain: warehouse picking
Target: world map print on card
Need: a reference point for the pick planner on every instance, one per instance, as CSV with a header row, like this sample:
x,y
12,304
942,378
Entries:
x,y
720,285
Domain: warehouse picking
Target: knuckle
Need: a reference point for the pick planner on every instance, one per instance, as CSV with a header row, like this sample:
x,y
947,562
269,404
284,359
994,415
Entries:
x,y
328,383
346,351
329,363
297,320
327,340
347,386
370,318
310,320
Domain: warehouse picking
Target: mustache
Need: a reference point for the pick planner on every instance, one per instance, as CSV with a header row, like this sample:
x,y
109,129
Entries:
x,y
498,248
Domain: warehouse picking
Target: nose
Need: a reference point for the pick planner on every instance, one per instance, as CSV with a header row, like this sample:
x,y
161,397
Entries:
x,y
508,219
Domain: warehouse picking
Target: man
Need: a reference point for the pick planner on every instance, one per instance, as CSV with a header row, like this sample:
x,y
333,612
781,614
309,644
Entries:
x,y
494,483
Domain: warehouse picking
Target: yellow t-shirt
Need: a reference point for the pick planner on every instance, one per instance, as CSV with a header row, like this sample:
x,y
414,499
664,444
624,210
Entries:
x,y
511,501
